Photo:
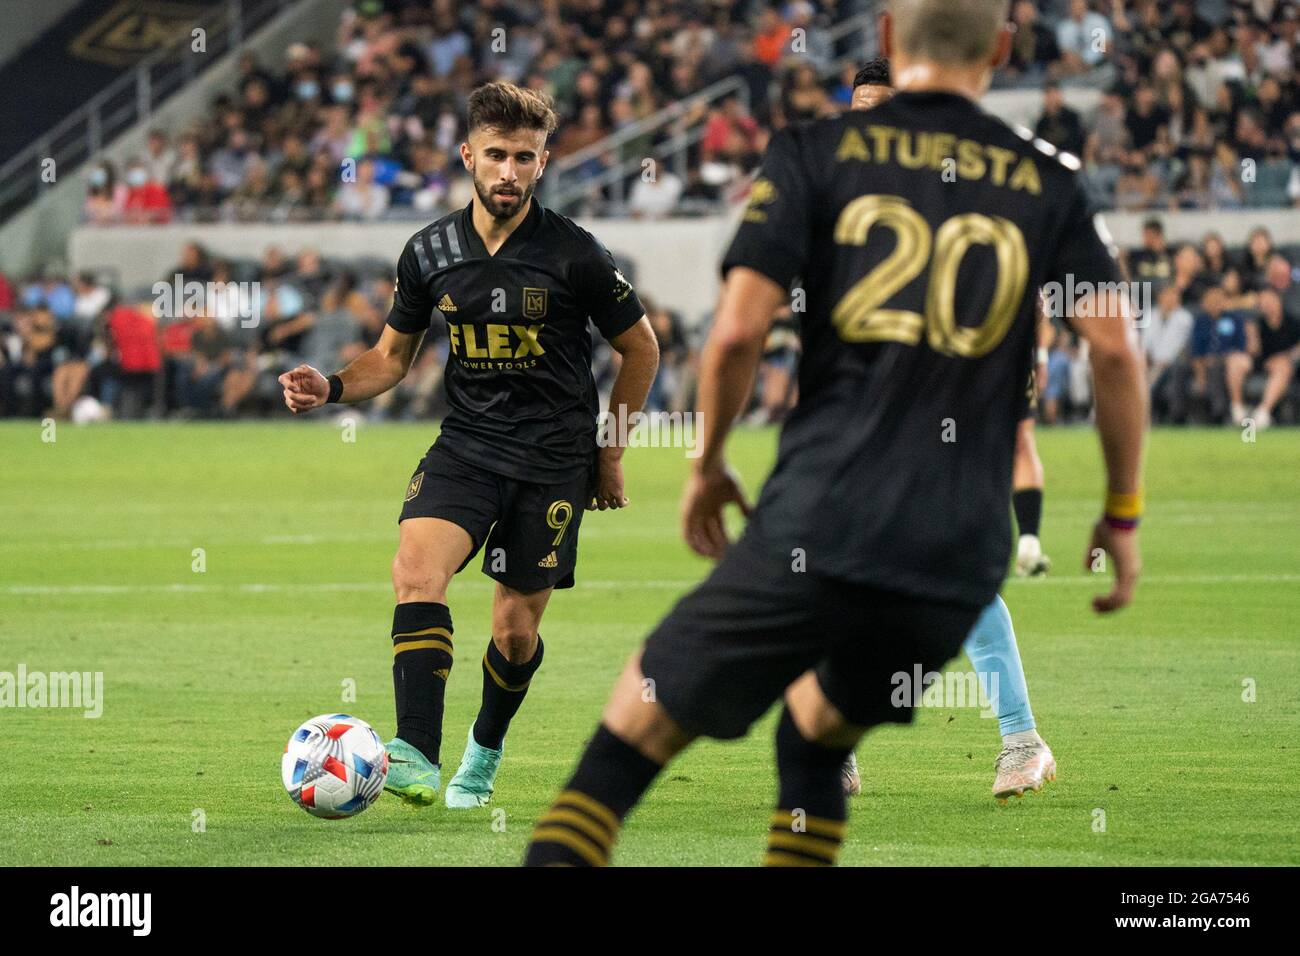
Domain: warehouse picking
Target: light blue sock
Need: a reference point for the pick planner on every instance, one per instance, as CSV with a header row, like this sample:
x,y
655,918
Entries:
x,y
991,647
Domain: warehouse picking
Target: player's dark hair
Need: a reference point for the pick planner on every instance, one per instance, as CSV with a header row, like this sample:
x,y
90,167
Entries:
x,y
506,107
875,73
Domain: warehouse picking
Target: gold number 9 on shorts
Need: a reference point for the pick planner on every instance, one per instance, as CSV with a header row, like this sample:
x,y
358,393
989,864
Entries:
x,y
558,516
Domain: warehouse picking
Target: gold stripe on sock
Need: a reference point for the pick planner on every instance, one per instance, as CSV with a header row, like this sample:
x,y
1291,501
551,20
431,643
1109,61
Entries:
x,y
781,858
579,800
805,843
434,643
584,822
513,688
426,631
576,842
785,820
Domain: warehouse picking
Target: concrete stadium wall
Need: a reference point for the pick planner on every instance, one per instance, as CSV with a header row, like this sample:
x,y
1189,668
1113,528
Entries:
x,y
675,261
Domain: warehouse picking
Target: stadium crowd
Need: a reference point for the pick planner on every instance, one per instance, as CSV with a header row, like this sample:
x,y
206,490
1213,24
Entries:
x,y
1200,108
1222,337
1200,104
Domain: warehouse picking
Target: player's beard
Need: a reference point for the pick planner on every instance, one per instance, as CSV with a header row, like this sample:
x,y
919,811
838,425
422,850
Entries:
x,y
493,203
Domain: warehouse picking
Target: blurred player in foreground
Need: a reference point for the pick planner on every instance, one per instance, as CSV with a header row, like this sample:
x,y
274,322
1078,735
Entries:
x,y
1025,762
881,534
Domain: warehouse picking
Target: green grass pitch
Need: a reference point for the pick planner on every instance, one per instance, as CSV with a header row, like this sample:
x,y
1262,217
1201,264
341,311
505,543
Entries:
x,y
206,674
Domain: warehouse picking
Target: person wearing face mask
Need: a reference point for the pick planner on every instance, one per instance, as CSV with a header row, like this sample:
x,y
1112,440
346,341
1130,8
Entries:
x,y
146,199
105,197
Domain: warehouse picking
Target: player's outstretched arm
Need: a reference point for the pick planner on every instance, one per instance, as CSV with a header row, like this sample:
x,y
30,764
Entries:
x,y
372,373
1121,401
728,364
638,350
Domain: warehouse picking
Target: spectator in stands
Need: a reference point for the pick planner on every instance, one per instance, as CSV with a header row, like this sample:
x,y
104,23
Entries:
x,y
1255,259
135,360
1153,263
105,197
1137,188
363,199
802,94
1057,389
1225,178
1034,45
159,158
1147,123
26,376
655,194
147,200
1220,360
1084,38
1165,333
772,36
1059,125
1282,278
1274,341
675,381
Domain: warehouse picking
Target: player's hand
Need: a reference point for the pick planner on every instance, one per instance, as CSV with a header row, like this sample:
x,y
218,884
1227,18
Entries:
x,y
708,491
1122,547
608,492
304,389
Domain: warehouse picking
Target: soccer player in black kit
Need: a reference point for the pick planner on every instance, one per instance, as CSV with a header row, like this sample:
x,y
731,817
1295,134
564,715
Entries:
x,y
516,461
922,229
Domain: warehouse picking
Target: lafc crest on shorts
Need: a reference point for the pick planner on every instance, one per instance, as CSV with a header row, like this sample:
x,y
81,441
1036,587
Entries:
x,y
413,488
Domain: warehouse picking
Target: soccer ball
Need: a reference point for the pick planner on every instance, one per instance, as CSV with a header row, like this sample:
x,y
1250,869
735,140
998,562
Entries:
x,y
334,766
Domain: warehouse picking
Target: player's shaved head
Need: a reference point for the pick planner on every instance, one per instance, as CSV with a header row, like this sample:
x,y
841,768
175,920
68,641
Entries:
x,y
950,32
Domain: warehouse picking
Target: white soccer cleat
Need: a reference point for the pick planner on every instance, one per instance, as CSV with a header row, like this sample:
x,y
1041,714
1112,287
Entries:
x,y
849,776
1238,413
1023,767
1030,560
1263,419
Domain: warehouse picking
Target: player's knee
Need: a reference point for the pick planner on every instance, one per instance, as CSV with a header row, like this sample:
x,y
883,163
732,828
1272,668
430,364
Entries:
x,y
820,723
416,579
516,640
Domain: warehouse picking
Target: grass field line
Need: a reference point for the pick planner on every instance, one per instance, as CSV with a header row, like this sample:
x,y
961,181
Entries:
x,y
595,584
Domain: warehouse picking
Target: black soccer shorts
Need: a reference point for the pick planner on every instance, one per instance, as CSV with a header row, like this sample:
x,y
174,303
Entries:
x,y
528,531
731,647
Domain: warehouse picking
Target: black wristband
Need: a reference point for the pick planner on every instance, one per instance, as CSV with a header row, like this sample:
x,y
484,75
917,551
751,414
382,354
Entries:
x,y
336,389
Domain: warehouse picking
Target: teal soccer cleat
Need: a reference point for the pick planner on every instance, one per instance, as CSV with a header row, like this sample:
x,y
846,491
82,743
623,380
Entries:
x,y
410,775
472,785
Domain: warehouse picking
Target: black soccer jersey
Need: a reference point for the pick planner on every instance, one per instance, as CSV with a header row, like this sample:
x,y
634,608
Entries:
x,y
921,229
522,399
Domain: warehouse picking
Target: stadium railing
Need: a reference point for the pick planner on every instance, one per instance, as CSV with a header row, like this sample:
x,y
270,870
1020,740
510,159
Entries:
x,y
129,100
851,39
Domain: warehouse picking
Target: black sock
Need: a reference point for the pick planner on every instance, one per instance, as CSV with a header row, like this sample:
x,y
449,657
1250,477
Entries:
x,y
808,823
583,823
422,659
504,688
1028,504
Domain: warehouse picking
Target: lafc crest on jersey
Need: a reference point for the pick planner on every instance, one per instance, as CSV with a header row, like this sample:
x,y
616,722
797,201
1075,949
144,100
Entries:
x,y
535,303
